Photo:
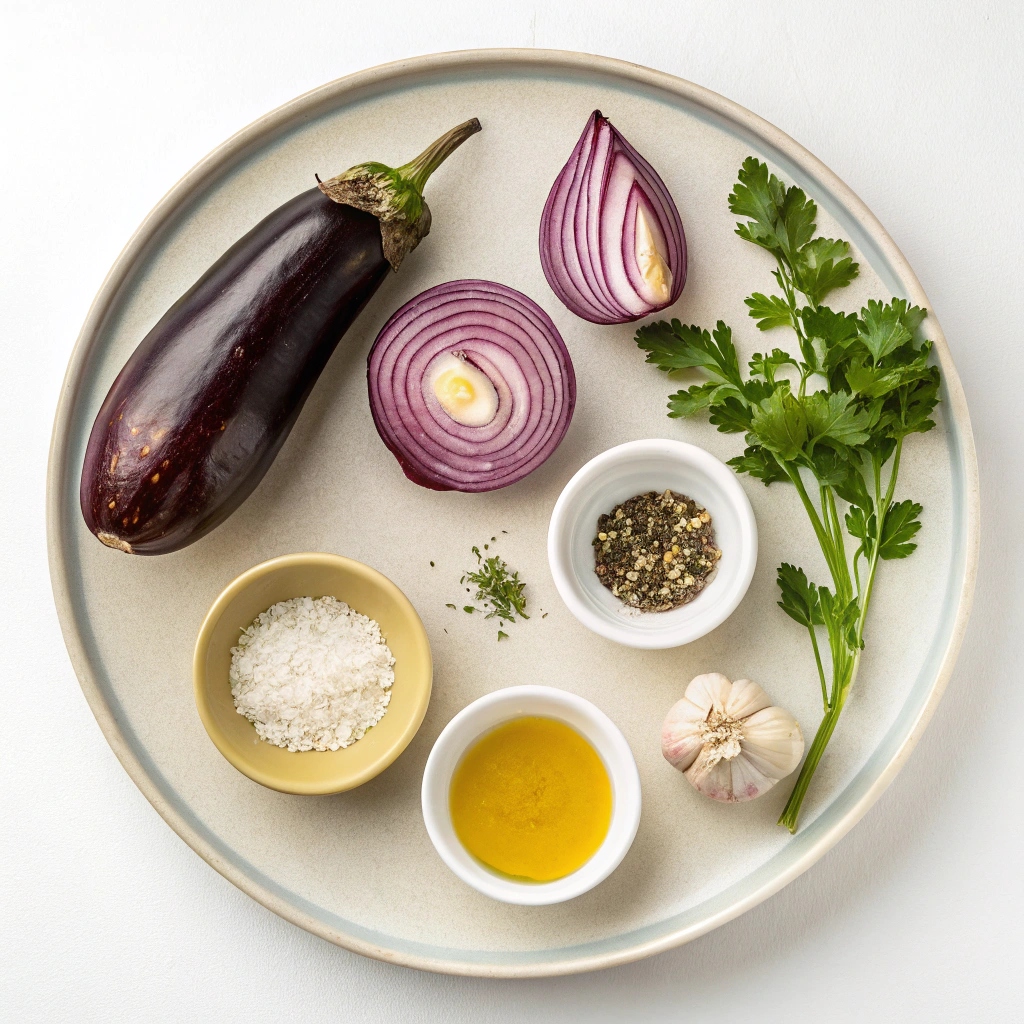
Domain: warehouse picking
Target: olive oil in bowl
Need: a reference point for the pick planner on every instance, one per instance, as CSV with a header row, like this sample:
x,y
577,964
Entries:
x,y
531,799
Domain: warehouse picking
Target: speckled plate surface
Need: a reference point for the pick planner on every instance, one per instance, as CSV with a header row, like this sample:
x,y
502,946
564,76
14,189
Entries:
x,y
358,868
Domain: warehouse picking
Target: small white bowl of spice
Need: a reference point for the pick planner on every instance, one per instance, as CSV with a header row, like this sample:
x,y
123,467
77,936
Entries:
x,y
653,543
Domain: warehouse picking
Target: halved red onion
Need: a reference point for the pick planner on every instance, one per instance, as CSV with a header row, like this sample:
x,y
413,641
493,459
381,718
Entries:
x,y
611,239
503,335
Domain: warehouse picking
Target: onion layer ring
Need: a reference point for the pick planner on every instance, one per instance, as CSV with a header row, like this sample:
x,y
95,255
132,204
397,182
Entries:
x,y
509,338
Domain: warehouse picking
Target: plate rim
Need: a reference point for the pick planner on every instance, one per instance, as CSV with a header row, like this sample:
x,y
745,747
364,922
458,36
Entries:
x,y
369,81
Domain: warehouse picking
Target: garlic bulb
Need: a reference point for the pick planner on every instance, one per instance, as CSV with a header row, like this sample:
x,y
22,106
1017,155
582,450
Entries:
x,y
729,740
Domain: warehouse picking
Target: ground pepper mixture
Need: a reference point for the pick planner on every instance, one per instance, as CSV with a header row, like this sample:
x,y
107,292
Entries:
x,y
656,551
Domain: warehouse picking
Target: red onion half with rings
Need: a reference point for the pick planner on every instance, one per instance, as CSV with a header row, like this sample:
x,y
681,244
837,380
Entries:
x,y
611,239
471,386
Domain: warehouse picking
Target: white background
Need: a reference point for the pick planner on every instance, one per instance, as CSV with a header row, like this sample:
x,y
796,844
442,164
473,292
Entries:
x,y
105,915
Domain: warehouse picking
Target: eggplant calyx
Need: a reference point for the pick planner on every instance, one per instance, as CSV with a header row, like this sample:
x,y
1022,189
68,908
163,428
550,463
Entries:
x,y
394,195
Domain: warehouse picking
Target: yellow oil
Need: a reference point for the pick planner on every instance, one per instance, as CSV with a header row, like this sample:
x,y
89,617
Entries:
x,y
531,799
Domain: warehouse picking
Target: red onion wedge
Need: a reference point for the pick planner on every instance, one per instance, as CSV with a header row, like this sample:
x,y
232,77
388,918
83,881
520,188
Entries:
x,y
611,239
471,386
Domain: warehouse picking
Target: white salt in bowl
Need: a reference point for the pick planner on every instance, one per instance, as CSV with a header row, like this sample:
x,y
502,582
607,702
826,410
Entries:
x,y
495,709
628,470
312,574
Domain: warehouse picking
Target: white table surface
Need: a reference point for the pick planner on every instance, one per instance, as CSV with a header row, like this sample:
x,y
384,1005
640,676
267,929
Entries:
x,y
105,915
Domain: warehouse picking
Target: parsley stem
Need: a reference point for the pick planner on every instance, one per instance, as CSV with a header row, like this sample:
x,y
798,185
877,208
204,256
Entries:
x,y
843,676
821,670
788,281
881,514
812,513
892,476
791,812
828,546
830,499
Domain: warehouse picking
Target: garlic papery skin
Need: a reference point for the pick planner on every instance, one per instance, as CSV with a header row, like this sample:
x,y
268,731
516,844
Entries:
x,y
729,740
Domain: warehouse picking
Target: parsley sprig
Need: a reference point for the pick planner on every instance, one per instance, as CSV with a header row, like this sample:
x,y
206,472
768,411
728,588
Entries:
x,y
839,443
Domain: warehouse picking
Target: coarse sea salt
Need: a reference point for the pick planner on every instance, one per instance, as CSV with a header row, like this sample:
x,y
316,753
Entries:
x,y
312,674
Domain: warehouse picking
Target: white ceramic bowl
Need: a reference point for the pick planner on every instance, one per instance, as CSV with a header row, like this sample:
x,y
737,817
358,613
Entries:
x,y
503,706
618,474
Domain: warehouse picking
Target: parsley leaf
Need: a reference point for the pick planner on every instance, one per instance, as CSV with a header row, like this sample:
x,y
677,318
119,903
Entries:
x,y
857,523
780,424
841,470
898,530
833,418
799,596
693,400
873,381
916,406
821,266
889,326
759,463
677,347
769,311
732,415
829,335
766,365
782,219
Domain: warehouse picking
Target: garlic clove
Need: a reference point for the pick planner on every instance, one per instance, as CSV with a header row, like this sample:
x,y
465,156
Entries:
x,y
772,737
715,783
749,781
732,781
681,740
711,690
745,699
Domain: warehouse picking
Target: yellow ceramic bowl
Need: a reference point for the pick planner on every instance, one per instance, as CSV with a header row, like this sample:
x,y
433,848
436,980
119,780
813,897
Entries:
x,y
312,575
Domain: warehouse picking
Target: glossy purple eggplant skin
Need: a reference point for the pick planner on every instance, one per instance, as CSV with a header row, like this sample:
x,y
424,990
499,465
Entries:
x,y
205,402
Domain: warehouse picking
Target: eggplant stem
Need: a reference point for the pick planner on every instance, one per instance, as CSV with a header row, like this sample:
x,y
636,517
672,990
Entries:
x,y
416,172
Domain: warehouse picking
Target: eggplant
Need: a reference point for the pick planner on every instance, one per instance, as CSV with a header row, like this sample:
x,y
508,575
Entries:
x,y
203,405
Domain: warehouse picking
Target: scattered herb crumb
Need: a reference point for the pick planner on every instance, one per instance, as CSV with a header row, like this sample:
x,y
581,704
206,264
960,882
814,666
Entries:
x,y
500,589
545,615
431,565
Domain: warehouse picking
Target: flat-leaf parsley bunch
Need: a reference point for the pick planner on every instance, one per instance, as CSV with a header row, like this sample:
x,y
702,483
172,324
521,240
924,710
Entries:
x,y
831,419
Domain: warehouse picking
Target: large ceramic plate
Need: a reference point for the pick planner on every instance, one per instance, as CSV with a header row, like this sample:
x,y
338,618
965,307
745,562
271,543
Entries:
x,y
358,868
